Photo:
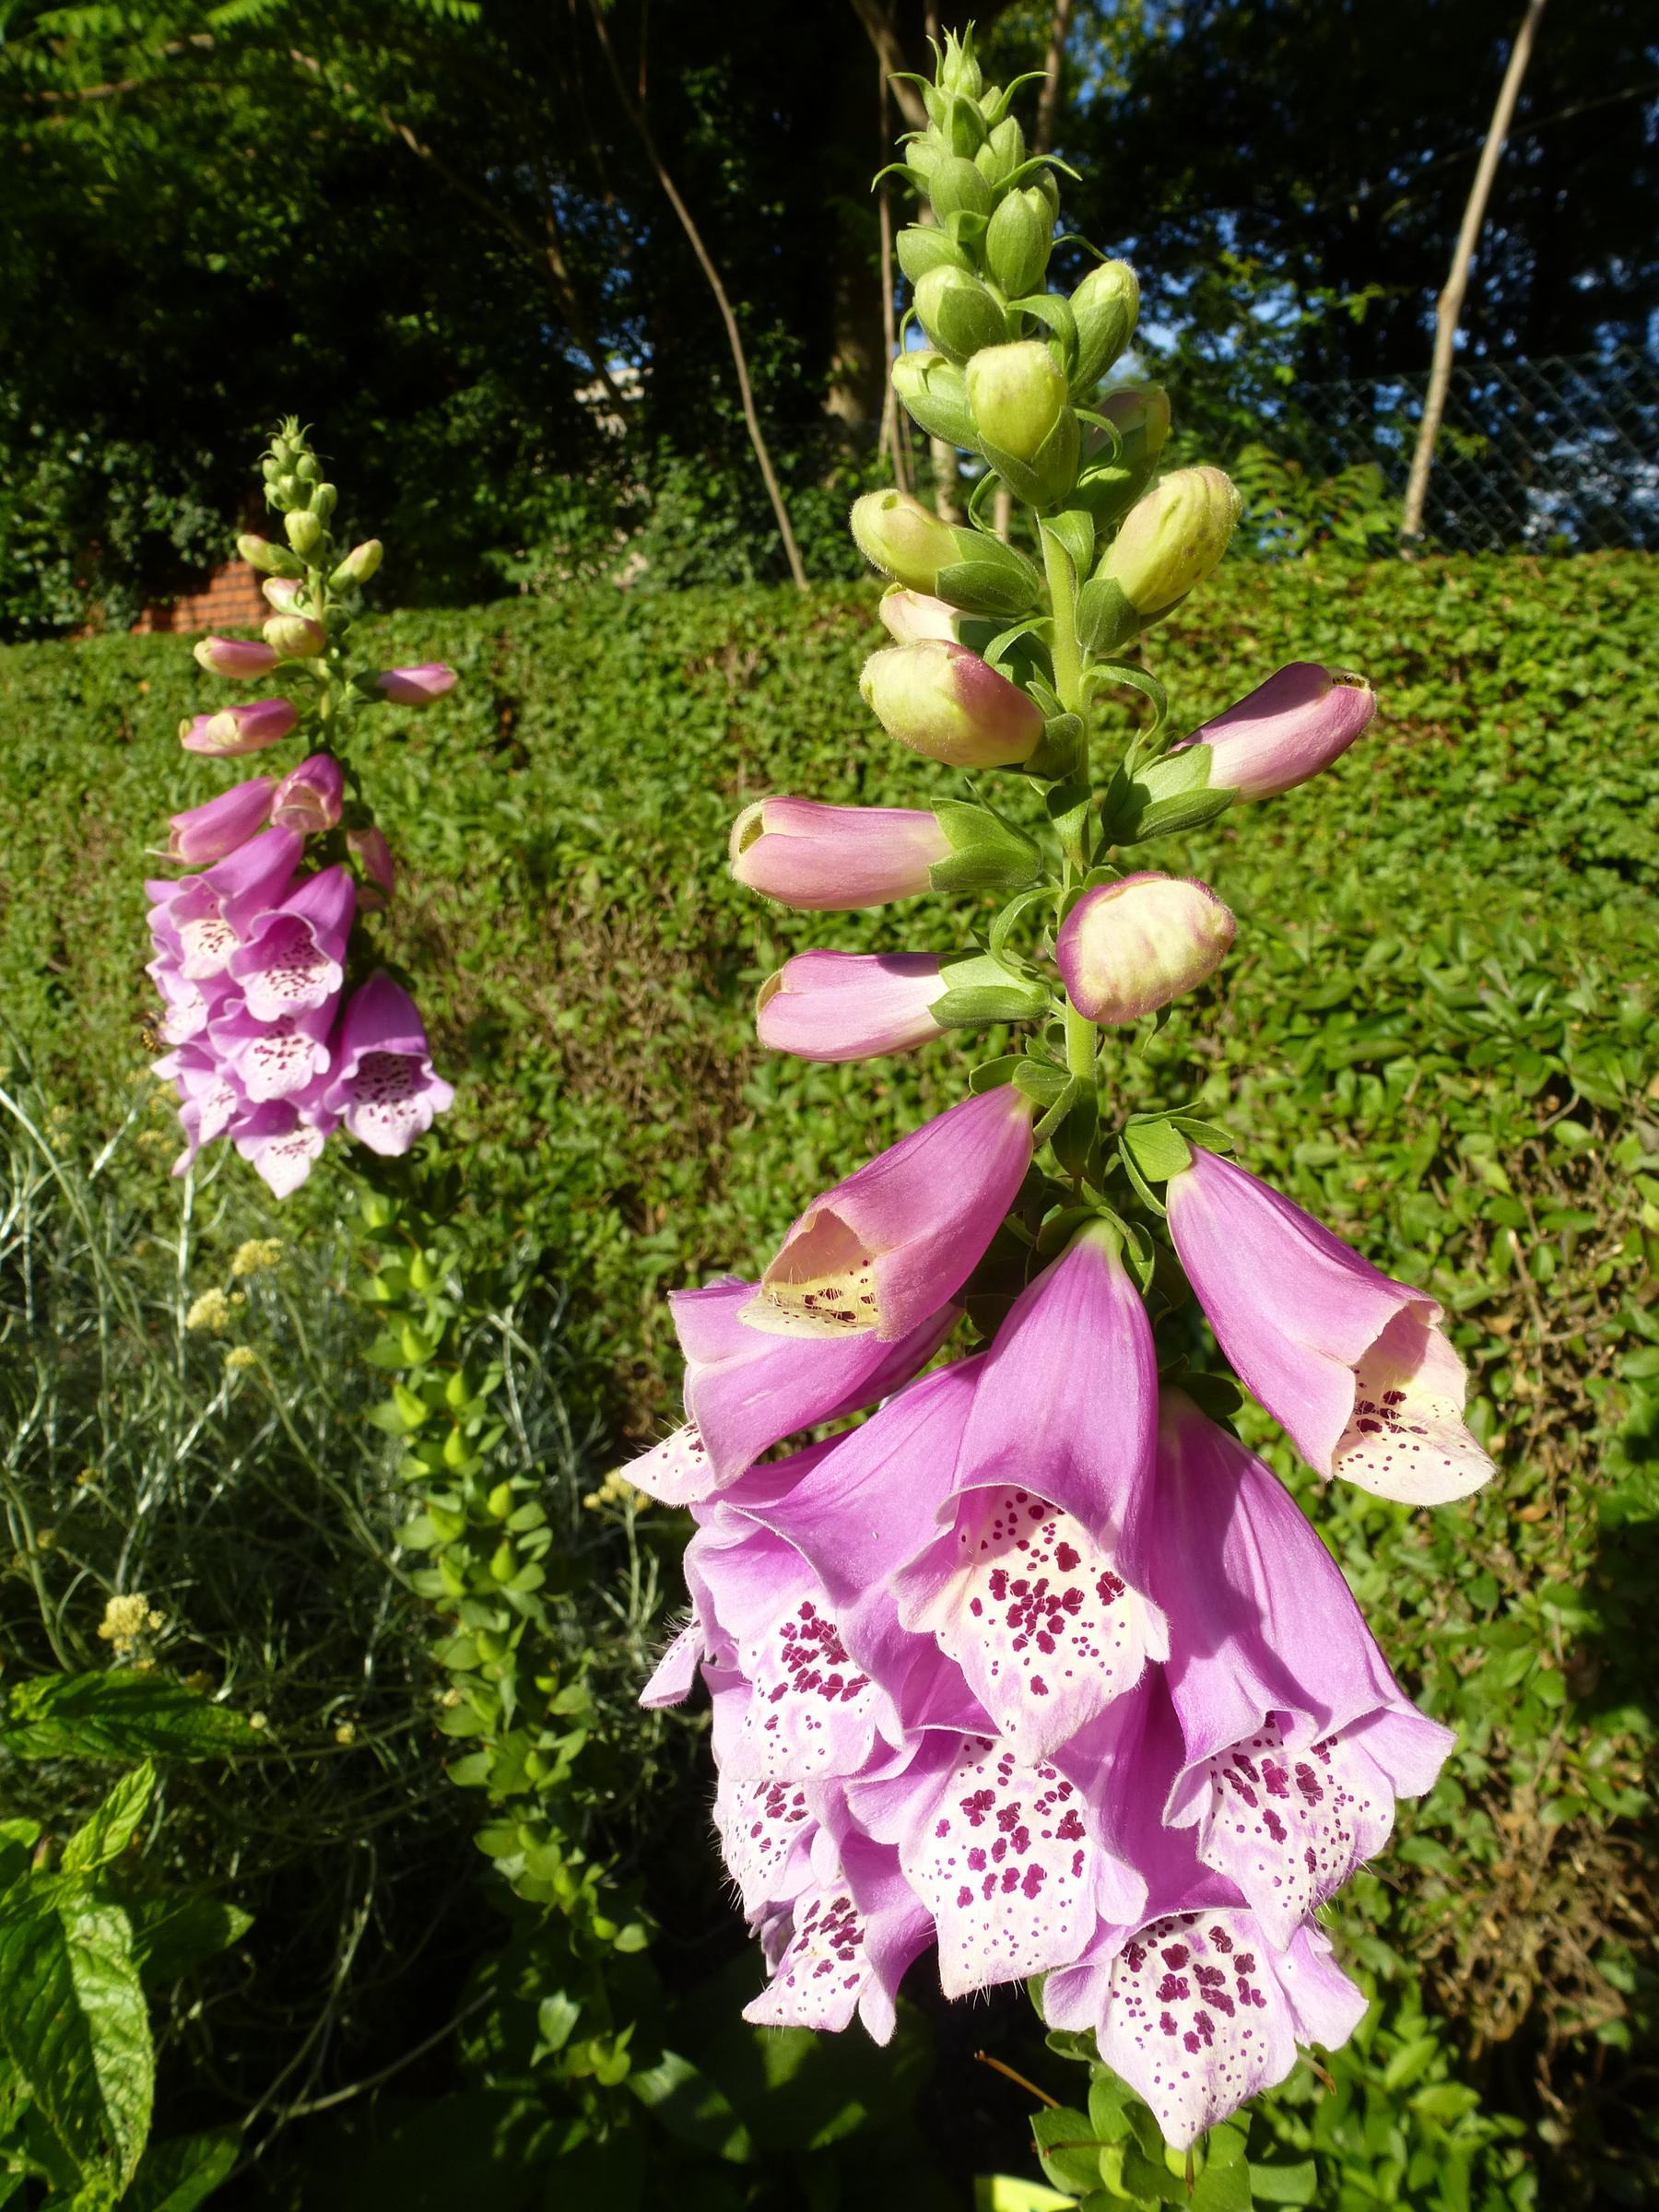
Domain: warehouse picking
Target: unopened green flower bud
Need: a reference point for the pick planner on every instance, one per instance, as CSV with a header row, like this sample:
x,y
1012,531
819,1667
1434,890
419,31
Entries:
x,y
905,540
964,128
1170,541
1004,150
295,637
969,567
959,66
308,468
1017,395
323,501
1106,305
359,565
924,246
268,559
304,531
934,394
1018,243
945,702
1140,414
956,187
958,312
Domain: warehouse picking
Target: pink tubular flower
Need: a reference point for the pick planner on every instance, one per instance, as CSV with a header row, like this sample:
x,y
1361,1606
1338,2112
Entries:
x,y
240,658
850,1005
218,827
237,730
896,1242
746,1391
201,921
308,797
281,1059
1354,1365
1198,2012
293,960
283,1141
373,855
416,686
1297,1740
1127,948
1285,731
832,859
383,1087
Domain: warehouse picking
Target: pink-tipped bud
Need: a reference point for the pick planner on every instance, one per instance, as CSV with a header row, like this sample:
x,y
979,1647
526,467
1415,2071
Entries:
x,y
1172,539
945,702
1285,731
308,797
1127,948
415,687
359,565
850,1006
239,658
209,832
283,592
235,730
912,617
296,637
271,560
902,538
832,859
373,857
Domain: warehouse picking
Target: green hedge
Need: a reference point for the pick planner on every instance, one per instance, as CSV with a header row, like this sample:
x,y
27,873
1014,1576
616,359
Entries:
x,y
1437,1029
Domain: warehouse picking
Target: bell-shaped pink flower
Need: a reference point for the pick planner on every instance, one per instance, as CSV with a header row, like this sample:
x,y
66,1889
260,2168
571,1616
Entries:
x,y
416,686
201,921
293,959
240,658
383,1087
1127,948
746,1391
1284,732
308,797
218,826
896,1242
280,1059
845,1941
1354,1365
850,1005
1198,2012
234,731
1296,1739
832,859
283,1141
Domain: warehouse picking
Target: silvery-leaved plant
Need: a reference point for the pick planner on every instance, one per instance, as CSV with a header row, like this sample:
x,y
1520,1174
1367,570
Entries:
x,y
1039,1670
279,1028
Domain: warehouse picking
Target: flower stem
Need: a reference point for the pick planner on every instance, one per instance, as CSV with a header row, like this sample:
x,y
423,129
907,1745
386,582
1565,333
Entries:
x,y
1082,1041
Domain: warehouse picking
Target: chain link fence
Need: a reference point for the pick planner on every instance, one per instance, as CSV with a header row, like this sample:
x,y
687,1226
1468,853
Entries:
x,y
1550,457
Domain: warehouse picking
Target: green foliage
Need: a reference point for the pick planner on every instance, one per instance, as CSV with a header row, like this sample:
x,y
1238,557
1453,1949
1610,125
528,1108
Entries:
x,y
1452,1062
78,1952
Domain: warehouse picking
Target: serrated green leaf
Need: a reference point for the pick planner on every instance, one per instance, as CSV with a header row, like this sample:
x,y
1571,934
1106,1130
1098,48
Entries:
x,y
171,1934
182,2173
74,2023
119,1715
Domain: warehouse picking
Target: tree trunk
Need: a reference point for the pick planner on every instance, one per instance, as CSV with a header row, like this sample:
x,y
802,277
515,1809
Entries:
x,y
734,336
1449,308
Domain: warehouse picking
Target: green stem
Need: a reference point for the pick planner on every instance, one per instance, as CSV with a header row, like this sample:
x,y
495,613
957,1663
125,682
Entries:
x,y
1063,600
1082,1041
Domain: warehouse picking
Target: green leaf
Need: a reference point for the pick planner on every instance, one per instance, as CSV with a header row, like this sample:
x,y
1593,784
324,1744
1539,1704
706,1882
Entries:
x,y
119,1715
1158,1149
1297,2184
1012,2192
74,2023
1068,2149
18,1839
106,1834
182,2173
693,2108
171,1935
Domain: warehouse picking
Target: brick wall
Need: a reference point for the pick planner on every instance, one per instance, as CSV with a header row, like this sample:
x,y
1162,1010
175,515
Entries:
x,y
230,599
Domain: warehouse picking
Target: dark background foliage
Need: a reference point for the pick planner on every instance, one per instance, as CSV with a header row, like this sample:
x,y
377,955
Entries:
x,y
430,226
